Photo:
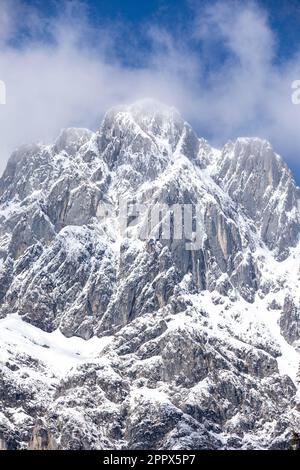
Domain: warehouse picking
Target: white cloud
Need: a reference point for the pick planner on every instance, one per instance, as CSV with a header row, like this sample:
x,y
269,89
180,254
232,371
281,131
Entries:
x,y
76,78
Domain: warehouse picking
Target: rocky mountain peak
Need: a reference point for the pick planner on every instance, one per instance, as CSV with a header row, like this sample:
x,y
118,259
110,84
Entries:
x,y
70,140
257,178
116,336
151,115
150,129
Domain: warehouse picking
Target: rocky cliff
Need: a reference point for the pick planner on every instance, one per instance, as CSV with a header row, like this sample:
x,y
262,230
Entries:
x,y
117,337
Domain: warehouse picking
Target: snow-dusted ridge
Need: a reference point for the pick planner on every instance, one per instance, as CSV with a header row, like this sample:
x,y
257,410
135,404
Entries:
x,y
109,341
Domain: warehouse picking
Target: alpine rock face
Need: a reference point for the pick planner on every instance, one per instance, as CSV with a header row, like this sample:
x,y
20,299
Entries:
x,y
110,340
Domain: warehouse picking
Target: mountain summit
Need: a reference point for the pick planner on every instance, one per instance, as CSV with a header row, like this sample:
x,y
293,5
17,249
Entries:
x,y
183,336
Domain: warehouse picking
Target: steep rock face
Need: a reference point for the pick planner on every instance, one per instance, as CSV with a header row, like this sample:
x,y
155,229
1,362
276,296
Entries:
x,y
195,358
71,279
261,183
290,320
143,153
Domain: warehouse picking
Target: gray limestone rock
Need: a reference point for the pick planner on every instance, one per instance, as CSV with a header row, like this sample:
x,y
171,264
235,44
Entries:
x,y
173,348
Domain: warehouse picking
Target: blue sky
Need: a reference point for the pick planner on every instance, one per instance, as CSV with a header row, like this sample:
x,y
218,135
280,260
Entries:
x,y
284,16
226,65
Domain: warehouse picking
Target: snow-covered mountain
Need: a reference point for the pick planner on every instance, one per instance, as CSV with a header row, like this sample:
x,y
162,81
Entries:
x,y
110,340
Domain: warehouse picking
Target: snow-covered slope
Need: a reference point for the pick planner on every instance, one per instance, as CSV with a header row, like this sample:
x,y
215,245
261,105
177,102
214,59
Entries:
x,y
114,340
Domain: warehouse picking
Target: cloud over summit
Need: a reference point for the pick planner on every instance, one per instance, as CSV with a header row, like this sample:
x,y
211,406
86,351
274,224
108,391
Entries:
x,y
221,71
